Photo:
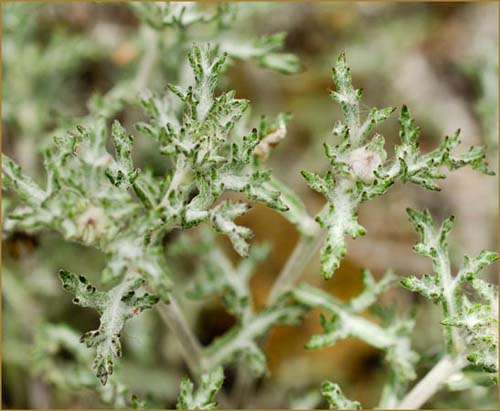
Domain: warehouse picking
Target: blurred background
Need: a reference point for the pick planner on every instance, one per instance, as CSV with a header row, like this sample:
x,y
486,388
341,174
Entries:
x,y
441,59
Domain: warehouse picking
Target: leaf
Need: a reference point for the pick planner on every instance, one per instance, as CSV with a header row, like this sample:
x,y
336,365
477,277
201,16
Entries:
x,y
222,218
240,341
336,399
471,328
210,158
121,172
394,338
285,63
115,307
428,286
479,323
371,290
360,170
472,266
203,398
345,94
216,275
71,375
24,186
172,14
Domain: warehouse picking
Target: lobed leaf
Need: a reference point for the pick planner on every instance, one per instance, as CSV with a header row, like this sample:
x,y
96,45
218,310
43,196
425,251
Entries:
x,y
115,307
336,399
203,398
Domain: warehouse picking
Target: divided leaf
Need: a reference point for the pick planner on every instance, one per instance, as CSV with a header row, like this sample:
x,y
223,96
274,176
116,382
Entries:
x,y
115,307
336,399
203,398
361,171
211,156
471,326
345,322
122,172
240,341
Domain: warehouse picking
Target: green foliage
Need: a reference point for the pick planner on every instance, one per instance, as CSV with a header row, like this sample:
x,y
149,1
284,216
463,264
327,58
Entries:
x,y
470,320
115,307
360,171
346,321
88,198
54,340
209,157
203,398
39,75
241,341
222,22
97,196
336,399
216,276
160,15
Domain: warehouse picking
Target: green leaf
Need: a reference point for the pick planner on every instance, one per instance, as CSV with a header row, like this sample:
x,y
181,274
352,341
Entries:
x,y
203,398
471,327
285,63
73,374
360,170
394,339
24,186
222,218
345,94
210,158
428,286
115,307
172,14
122,172
240,341
216,275
479,323
371,290
336,399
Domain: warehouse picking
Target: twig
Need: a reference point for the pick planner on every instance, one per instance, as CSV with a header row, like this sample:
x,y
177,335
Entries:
x,y
302,254
188,343
149,59
431,383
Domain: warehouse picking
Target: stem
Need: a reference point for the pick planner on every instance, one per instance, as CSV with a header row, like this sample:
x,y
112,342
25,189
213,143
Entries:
x,y
389,397
243,386
305,249
178,178
441,265
431,383
149,60
188,343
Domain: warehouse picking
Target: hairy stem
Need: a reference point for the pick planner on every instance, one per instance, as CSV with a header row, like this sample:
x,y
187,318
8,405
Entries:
x,y
431,383
188,343
302,254
442,265
181,171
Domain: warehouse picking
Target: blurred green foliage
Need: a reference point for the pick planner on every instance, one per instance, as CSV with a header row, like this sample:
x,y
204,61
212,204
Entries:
x,y
63,63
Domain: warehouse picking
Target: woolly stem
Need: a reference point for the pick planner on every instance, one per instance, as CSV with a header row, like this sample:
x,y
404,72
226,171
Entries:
x,y
188,343
431,383
304,251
